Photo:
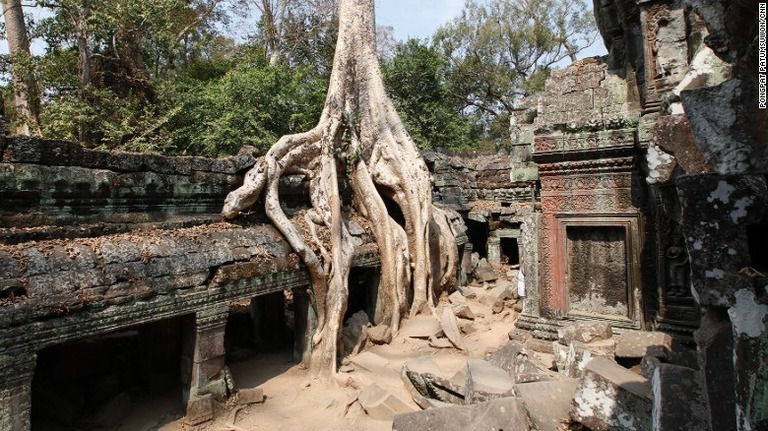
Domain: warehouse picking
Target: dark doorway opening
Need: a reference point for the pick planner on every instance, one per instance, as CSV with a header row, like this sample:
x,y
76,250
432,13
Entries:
x,y
757,238
261,324
477,233
114,381
510,251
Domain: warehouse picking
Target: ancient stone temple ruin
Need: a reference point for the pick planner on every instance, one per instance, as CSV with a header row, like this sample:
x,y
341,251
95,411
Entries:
x,y
634,195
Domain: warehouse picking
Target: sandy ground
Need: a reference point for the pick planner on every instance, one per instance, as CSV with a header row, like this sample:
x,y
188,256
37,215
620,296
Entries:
x,y
293,402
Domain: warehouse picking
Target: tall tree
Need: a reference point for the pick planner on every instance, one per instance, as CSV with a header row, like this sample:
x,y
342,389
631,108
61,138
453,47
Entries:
x,y
415,77
297,30
26,97
361,137
502,50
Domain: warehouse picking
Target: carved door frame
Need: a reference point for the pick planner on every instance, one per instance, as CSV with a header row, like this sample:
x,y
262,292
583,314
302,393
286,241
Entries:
x,y
633,247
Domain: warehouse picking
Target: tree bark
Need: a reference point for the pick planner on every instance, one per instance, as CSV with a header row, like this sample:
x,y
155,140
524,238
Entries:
x,y
361,137
26,98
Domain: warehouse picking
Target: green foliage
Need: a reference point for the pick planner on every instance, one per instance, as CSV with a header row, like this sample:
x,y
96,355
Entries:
x,y
246,106
502,50
415,78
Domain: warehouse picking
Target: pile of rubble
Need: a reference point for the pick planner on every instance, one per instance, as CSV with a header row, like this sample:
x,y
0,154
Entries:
x,y
595,381
586,388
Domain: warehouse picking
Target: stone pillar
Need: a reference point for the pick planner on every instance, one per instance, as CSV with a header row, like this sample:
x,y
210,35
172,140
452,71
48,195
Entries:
x,y
494,250
466,263
16,374
305,323
207,379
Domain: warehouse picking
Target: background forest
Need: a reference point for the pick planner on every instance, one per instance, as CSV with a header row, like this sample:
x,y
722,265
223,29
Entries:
x,y
167,76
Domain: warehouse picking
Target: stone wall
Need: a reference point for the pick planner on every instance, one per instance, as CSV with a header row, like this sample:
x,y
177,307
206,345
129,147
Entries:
x,y
706,166
62,183
94,242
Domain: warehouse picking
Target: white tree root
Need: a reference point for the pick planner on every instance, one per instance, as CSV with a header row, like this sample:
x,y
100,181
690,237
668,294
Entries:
x,y
360,137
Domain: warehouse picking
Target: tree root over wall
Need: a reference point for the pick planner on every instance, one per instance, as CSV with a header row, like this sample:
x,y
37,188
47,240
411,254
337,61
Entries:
x,y
361,137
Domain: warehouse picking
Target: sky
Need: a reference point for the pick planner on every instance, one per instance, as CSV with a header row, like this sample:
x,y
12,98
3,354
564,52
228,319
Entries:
x,y
408,19
416,18
420,18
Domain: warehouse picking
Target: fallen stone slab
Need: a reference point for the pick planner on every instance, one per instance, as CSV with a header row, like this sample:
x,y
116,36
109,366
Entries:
x,y
506,414
467,327
370,361
430,403
572,358
420,327
463,311
451,329
612,398
584,332
423,378
466,292
457,298
486,382
503,291
548,402
484,272
440,343
679,403
380,334
496,305
636,344
380,404
250,396
519,363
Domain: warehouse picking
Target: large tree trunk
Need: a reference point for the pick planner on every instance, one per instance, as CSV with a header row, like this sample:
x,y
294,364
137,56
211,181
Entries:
x,y
26,99
360,136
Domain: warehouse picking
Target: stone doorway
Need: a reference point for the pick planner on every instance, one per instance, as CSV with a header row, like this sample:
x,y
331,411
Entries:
x,y
510,251
597,271
104,381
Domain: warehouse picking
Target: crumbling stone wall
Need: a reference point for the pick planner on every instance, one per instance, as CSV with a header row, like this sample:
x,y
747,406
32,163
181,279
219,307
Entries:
x,y
94,242
706,164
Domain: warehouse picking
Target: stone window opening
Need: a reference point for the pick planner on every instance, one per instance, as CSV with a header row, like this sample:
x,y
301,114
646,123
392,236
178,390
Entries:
x,y
510,251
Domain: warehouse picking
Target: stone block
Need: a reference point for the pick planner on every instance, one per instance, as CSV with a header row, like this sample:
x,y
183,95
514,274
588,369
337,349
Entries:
x,y
504,290
519,363
250,396
612,398
420,327
380,404
679,403
423,378
451,329
381,334
506,414
457,298
209,344
199,410
548,402
463,311
370,361
584,332
496,305
466,292
636,344
484,272
485,381
571,359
